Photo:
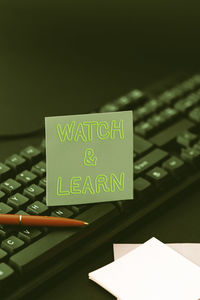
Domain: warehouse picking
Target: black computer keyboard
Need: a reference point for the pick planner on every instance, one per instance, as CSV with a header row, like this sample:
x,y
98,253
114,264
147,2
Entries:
x,y
166,163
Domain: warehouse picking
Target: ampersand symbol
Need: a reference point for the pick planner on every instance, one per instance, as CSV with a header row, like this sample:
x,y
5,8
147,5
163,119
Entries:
x,y
89,158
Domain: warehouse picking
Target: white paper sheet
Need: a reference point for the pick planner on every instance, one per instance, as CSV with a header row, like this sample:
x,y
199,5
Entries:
x,y
152,271
189,250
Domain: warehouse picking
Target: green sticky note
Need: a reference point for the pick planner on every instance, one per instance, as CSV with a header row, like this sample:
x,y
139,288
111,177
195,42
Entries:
x,y
89,158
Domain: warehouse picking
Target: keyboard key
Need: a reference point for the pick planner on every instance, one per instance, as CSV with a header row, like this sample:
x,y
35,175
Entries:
x,y
16,163
37,208
175,166
187,85
44,200
26,178
74,209
34,192
171,132
5,172
197,145
158,176
157,121
186,138
195,115
141,145
124,103
109,107
18,201
6,230
185,104
196,79
144,129
2,196
39,169
43,249
149,160
142,112
169,114
142,187
22,212
137,97
6,273
12,244
31,154
43,147
43,183
192,156
169,96
153,105
10,186
3,255
62,212
29,234
5,209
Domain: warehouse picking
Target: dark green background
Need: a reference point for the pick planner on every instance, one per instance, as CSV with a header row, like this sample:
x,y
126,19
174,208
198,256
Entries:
x,y
63,57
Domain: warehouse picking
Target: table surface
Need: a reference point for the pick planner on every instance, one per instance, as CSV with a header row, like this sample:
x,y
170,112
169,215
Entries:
x,y
65,57
180,223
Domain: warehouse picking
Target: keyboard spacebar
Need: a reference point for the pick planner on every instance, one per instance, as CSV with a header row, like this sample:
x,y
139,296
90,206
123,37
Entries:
x,y
48,246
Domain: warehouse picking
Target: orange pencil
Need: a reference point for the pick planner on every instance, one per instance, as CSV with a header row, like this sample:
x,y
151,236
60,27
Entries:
x,y
9,219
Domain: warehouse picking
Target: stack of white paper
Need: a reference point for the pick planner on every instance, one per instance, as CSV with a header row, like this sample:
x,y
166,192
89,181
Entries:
x,y
152,271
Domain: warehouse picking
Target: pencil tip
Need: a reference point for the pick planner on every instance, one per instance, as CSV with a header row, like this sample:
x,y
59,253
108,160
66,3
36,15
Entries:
x,y
86,223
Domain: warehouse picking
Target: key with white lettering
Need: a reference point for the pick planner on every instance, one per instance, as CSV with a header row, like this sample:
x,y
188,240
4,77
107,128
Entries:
x,y
16,163
37,208
5,172
18,201
39,169
175,166
62,212
26,178
10,186
12,244
34,192
31,154
29,234
149,160
158,176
